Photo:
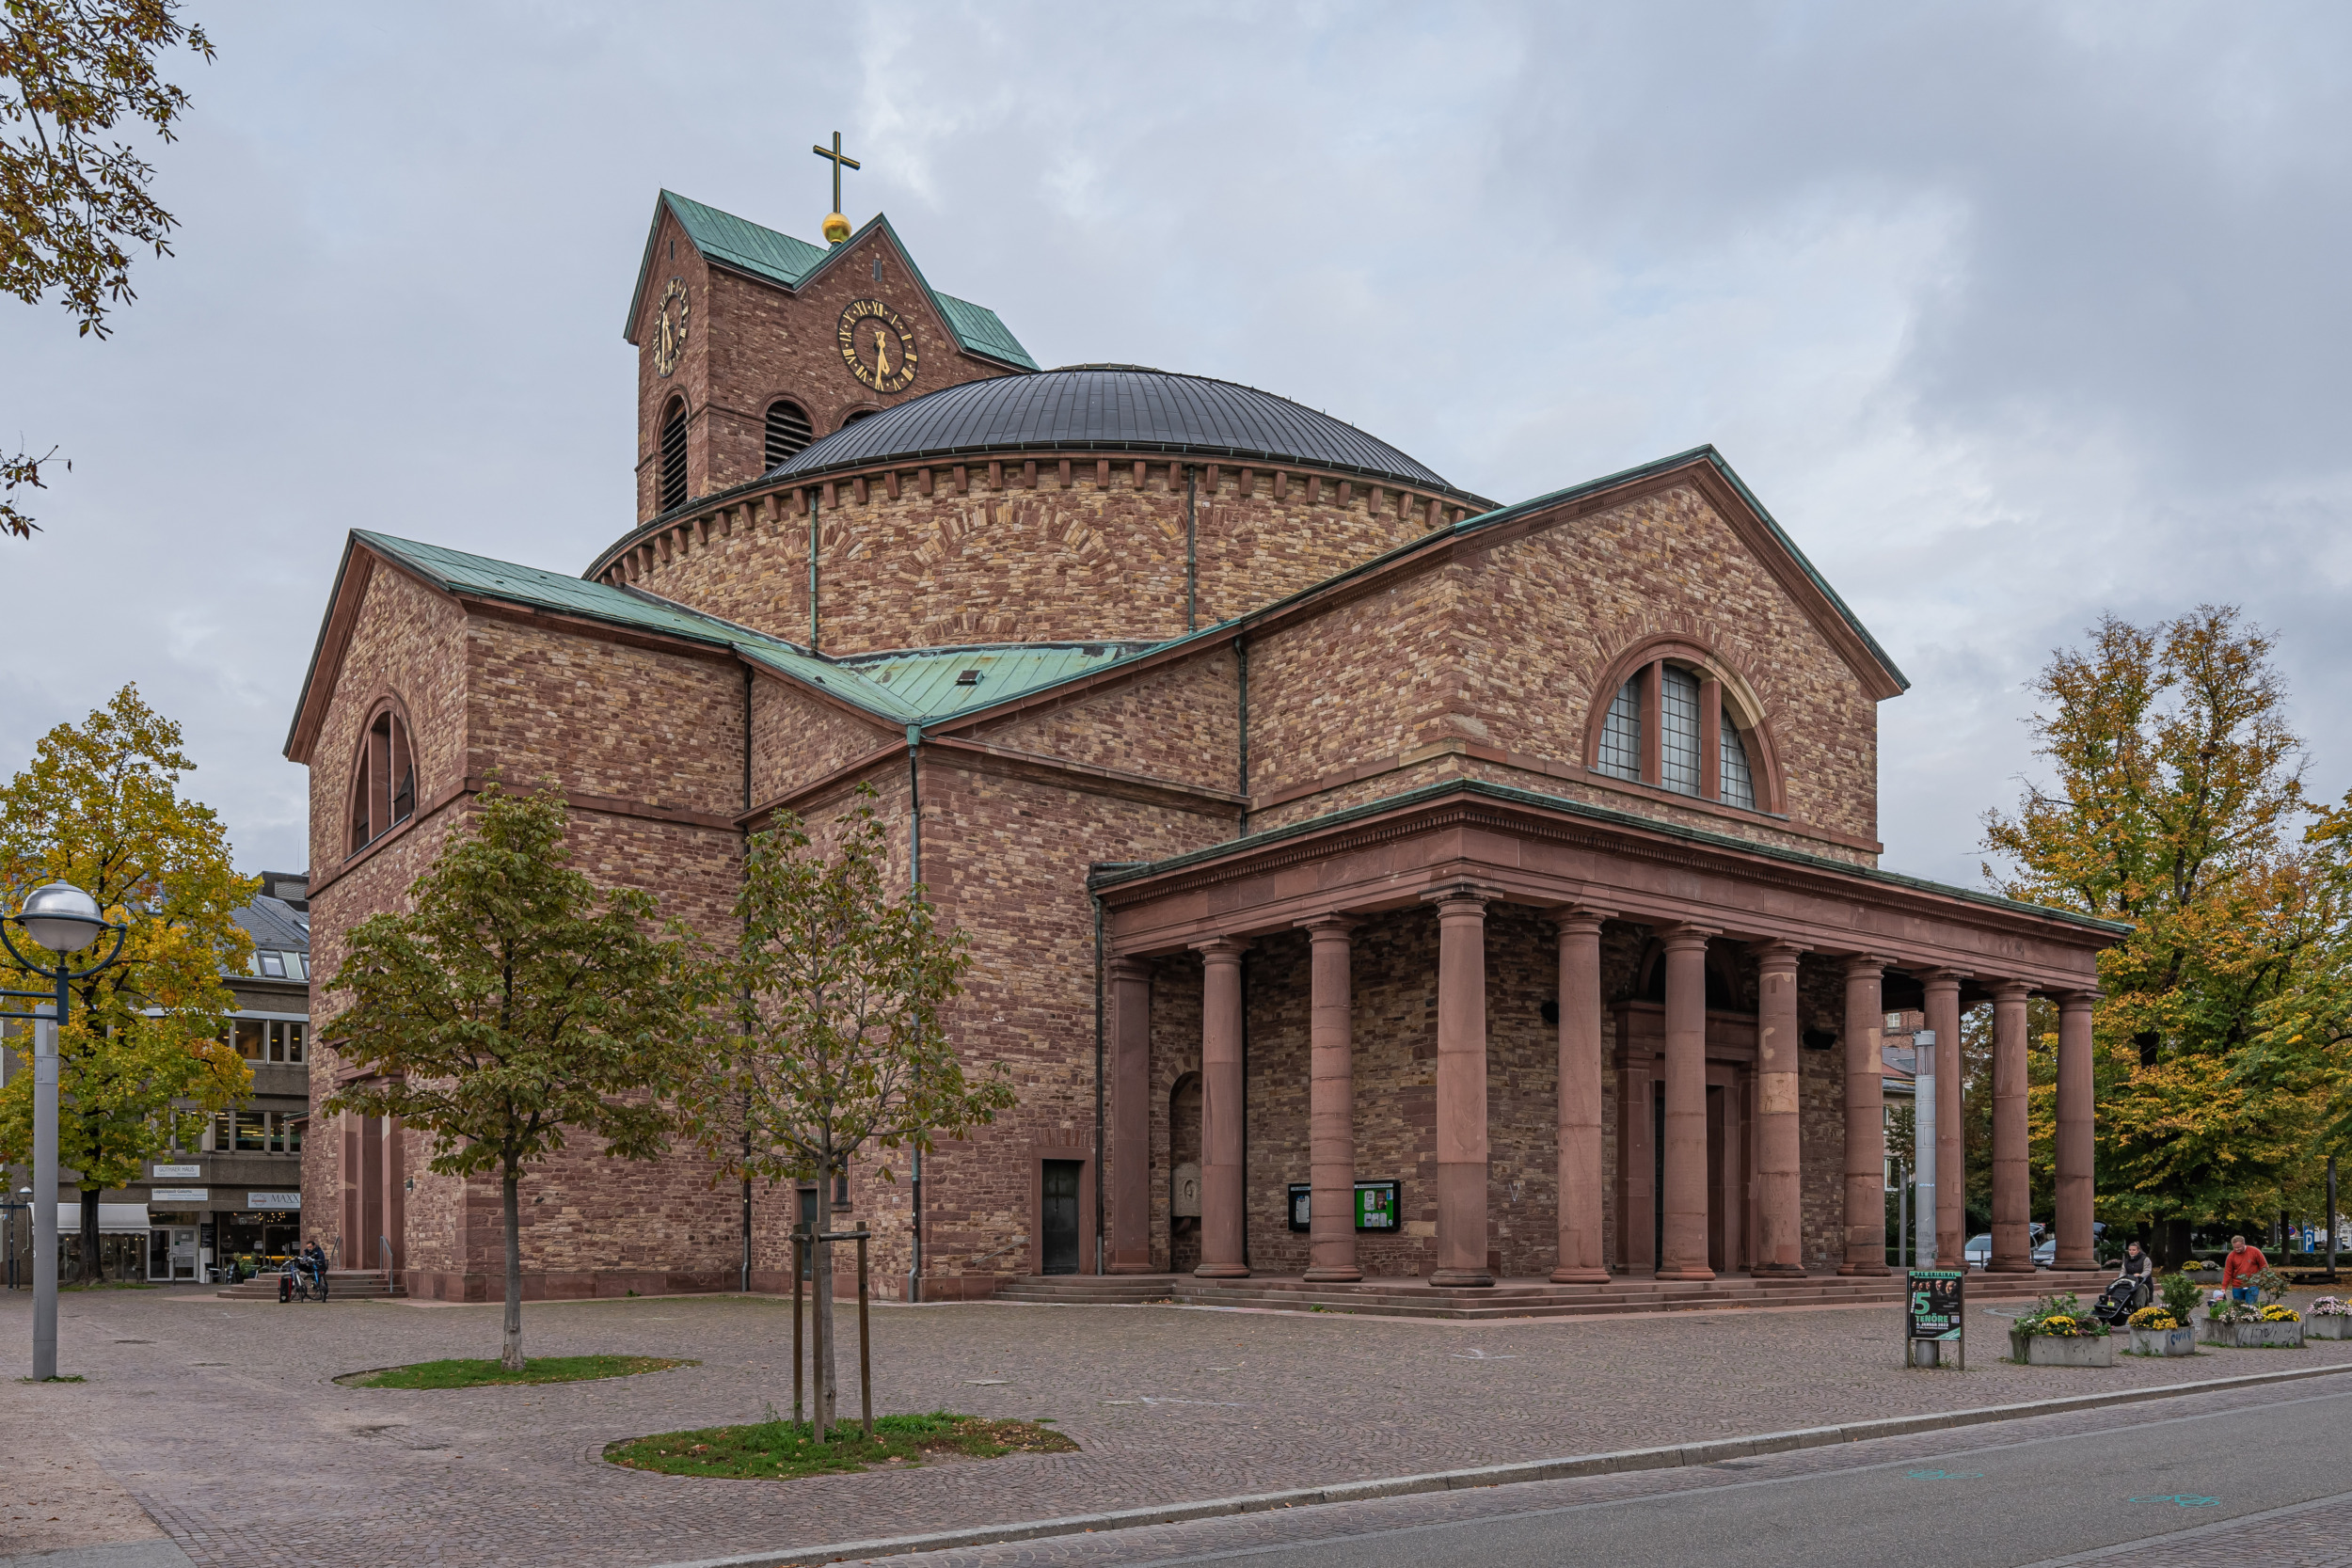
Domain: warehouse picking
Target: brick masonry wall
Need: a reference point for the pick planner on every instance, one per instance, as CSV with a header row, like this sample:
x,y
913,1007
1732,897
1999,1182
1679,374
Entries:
x,y
750,342
1019,557
1181,722
1502,648
797,740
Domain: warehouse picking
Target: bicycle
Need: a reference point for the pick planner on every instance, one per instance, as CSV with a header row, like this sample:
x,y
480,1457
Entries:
x,y
308,1285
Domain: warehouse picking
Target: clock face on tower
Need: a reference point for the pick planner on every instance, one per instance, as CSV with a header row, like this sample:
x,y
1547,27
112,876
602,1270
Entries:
x,y
878,346
669,328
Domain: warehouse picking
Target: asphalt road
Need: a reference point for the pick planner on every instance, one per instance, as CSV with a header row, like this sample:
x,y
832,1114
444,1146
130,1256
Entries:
x,y
2152,1489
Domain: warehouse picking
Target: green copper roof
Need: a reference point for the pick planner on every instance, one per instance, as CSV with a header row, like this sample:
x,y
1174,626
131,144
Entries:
x,y
746,246
931,680
915,687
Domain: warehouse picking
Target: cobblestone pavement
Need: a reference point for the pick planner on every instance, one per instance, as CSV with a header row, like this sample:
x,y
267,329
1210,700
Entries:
x,y
221,1420
2306,1535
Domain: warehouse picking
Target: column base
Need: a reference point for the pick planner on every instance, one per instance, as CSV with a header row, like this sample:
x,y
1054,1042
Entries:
x,y
1693,1272
2009,1265
1776,1271
1579,1277
1221,1270
1144,1267
2086,1261
1864,1270
1461,1277
1332,1276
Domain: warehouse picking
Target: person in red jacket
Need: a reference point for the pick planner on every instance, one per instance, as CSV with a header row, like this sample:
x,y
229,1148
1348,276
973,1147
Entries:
x,y
2241,1265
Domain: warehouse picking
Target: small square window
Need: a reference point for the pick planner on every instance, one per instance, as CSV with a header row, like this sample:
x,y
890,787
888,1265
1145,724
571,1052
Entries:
x,y
274,965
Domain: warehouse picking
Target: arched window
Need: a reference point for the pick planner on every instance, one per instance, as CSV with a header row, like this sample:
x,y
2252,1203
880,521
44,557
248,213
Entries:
x,y
788,431
1658,731
383,785
861,414
672,456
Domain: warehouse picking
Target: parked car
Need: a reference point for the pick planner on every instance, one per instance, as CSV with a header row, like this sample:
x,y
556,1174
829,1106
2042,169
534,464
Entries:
x,y
1978,1252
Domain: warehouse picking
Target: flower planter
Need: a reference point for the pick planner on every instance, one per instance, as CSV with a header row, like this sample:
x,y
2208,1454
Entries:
x,y
2057,1349
2250,1336
2327,1328
2164,1342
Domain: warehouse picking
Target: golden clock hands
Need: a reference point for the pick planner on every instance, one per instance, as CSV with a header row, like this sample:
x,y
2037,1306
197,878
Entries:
x,y
882,352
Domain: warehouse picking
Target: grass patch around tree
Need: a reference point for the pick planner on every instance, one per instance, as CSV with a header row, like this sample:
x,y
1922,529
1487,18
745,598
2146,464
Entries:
x,y
777,1449
461,1373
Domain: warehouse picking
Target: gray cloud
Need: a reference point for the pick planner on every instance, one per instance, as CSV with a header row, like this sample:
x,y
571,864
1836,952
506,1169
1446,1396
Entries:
x,y
2011,314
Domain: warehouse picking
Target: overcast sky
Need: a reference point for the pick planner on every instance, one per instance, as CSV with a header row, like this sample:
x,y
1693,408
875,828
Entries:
x,y
2011,314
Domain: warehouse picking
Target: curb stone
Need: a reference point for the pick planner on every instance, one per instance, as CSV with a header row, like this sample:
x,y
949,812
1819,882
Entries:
x,y
1671,1456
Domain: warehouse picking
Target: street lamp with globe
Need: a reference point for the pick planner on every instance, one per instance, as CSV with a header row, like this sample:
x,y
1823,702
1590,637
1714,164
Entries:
x,y
62,919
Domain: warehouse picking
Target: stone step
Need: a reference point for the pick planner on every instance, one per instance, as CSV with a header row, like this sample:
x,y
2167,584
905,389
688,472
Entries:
x,y
341,1285
1521,1298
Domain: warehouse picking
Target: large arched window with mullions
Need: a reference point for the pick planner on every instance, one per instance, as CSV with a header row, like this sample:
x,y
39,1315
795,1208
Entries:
x,y
1675,720
384,783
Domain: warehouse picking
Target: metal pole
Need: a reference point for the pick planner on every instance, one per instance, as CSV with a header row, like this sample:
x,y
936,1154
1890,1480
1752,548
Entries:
x,y
1923,1135
864,1356
2331,1219
796,1327
45,1189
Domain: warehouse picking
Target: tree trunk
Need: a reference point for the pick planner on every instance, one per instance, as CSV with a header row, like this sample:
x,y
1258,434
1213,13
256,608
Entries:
x,y
828,1387
93,1261
511,1347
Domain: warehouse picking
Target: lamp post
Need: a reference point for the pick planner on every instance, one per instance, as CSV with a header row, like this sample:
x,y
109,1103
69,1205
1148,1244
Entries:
x,y
63,919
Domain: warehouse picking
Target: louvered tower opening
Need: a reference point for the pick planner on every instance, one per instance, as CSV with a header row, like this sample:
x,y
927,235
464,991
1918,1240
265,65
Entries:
x,y
788,431
672,458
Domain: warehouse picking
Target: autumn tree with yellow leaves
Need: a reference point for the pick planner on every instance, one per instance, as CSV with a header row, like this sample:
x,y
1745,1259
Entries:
x,y
145,1056
2176,805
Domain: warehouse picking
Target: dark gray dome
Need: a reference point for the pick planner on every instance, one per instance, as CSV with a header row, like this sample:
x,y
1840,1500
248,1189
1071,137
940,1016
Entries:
x,y
1109,409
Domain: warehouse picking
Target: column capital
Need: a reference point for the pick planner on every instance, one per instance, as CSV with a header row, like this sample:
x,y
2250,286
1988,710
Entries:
x,y
1683,934
1129,966
1329,925
2074,1001
2008,990
1777,951
1943,979
1462,891
1858,964
1226,948
1578,916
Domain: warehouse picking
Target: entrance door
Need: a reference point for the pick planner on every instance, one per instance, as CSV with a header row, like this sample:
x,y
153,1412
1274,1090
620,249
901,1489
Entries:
x,y
159,1253
184,1252
1059,1223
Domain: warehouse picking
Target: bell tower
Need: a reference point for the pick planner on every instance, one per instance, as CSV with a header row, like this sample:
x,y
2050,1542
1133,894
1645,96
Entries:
x,y
752,345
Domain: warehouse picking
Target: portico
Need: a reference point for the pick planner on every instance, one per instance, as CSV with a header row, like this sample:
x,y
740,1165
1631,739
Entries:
x,y
1679,1113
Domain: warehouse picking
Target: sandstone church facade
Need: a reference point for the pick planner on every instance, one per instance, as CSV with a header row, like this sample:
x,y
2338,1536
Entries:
x,y
1365,880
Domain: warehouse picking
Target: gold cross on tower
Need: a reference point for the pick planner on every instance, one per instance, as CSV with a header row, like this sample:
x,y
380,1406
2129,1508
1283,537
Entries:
x,y
836,226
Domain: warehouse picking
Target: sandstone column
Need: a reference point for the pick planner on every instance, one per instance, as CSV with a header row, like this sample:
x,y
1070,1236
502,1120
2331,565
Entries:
x,y
2074,1111
1780,1201
1461,1089
1684,1201
1131,1117
1866,1120
1581,1049
1951,1152
1331,1104
1222,1213
2012,1244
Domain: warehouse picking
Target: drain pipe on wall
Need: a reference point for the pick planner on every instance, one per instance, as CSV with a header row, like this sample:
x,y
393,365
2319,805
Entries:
x,y
1241,668
745,1285
1192,549
915,879
1099,1173
812,568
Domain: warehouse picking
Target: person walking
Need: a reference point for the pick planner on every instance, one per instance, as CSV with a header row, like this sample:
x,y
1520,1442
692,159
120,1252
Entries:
x,y
2243,1264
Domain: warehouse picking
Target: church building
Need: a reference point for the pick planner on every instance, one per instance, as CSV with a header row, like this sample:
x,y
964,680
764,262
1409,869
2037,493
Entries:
x,y
1367,880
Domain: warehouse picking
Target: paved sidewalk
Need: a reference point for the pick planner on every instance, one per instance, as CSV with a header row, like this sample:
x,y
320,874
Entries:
x,y
219,1418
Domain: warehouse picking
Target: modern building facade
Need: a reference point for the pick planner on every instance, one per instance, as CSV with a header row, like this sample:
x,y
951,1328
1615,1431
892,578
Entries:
x,y
1363,878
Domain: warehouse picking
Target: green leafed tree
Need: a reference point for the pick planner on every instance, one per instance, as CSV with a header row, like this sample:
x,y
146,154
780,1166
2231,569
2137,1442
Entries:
x,y
830,1045
145,1056
75,203
513,1007
2174,804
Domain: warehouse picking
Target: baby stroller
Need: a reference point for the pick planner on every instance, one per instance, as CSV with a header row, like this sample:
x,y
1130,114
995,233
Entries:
x,y
2117,1302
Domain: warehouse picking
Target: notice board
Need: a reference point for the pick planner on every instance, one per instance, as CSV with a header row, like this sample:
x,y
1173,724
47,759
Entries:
x,y
1935,1308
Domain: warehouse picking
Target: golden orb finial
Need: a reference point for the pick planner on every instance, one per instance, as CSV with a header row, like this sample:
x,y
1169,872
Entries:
x,y
836,229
